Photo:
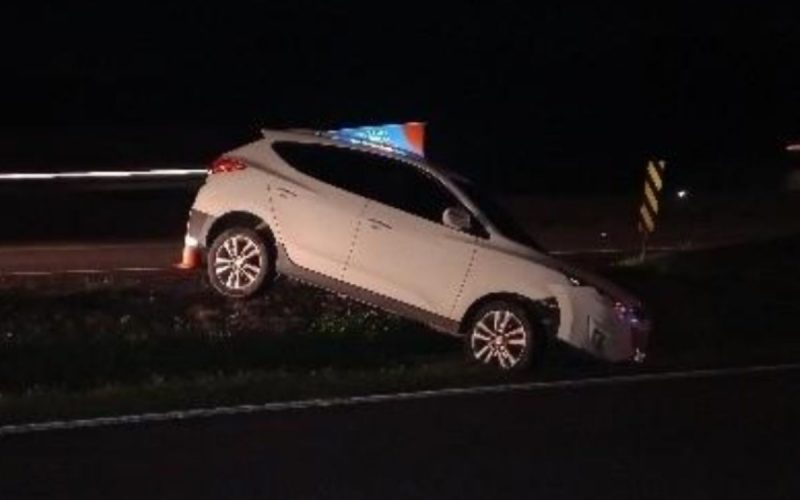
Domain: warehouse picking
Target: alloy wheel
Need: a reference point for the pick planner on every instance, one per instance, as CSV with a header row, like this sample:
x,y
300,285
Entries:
x,y
500,338
238,262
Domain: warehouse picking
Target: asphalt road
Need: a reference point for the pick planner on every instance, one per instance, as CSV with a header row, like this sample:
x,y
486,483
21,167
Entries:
x,y
89,256
731,436
144,256
138,224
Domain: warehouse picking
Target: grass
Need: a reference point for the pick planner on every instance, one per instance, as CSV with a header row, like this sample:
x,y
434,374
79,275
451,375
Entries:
x,y
80,339
246,387
105,345
724,306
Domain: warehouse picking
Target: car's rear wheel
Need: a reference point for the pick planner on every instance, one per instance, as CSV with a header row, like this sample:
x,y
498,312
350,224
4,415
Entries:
x,y
239,263
501,335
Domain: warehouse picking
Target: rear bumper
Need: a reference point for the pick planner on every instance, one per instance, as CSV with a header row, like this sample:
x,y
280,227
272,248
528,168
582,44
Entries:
x,y
197,228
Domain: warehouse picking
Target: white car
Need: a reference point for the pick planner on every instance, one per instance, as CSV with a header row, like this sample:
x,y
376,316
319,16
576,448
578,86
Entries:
x,y
360,212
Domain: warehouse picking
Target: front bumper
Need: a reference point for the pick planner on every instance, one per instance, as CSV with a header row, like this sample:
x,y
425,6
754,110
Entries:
x,y
639,339
592,322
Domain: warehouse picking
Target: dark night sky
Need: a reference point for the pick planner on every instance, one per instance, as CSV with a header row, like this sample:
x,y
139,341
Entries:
x,y
512,93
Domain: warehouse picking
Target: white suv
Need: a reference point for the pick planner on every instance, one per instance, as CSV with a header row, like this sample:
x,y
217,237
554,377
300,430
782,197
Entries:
x,y
359,213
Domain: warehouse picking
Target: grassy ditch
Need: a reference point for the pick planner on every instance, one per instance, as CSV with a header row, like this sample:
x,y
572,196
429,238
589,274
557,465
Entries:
x,y
85,346
106,336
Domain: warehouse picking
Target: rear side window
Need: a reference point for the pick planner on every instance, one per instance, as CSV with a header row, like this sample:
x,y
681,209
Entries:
x,y
334,166
391,182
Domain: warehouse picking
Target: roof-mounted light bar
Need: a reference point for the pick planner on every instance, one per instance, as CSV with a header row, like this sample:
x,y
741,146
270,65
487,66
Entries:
x,y
406,139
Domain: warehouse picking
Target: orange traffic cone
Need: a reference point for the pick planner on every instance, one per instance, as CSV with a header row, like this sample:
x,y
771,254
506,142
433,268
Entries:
x,y
190,258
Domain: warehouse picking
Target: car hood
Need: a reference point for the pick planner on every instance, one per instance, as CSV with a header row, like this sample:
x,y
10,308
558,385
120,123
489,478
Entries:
x,y
602,284
587,278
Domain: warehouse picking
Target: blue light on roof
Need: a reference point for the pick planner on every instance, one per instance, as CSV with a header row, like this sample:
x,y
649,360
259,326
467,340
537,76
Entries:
x,y
406,139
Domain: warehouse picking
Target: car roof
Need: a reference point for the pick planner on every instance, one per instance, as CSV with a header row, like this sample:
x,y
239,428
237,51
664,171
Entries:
x,y
415,161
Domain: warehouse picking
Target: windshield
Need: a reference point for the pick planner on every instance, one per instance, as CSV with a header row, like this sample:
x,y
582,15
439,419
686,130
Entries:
x,y
497,214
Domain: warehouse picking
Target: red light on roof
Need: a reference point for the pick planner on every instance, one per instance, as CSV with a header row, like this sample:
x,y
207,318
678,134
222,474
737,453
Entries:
x,y
415,135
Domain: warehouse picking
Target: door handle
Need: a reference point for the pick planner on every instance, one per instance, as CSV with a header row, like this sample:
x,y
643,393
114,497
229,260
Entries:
x,y
378,224
286,193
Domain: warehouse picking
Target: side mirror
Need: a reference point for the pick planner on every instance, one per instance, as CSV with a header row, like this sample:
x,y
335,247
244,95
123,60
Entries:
x,y
457,218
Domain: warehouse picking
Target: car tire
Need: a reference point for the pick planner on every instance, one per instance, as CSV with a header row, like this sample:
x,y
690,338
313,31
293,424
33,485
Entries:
x,y
502,335
239,263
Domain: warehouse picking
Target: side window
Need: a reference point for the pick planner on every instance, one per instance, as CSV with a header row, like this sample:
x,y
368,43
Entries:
x,y
406,188
338,167
382,179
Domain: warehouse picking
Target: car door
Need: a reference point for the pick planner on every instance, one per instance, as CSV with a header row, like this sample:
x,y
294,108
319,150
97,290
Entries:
x,y
317,211
403,249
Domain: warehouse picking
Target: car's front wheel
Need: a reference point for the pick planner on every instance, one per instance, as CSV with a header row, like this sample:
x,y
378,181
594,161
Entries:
x,y
502,335
239,263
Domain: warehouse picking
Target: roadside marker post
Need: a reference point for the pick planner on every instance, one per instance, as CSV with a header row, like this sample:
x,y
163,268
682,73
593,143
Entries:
x,y
648,210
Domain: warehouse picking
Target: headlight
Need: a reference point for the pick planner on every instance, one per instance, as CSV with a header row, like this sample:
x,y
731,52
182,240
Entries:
x,y
630,314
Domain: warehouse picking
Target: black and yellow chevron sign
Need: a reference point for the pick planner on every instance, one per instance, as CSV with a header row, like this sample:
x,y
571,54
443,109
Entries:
x,y
653,183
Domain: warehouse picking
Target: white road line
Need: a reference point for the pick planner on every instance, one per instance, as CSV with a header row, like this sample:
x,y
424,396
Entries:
x,y
55,425
586,251
113,270
25,273
86,271
143,269
591,251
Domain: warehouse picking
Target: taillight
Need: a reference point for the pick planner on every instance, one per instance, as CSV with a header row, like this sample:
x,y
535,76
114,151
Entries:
x,y
225,164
